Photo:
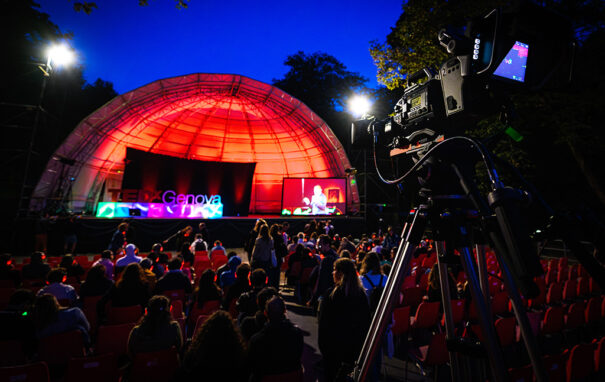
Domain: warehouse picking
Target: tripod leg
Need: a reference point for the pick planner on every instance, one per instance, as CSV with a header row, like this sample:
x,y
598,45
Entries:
x,y
494,352
411,236
483,280
450,330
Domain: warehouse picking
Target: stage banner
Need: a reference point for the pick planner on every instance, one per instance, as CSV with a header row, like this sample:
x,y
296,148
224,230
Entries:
x,y
161,186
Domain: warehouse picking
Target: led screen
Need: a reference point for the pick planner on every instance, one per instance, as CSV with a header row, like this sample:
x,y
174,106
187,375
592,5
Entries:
x,y
314,196
514,64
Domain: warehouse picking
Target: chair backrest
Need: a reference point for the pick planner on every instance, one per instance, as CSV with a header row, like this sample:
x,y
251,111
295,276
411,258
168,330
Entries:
x,y
210,307
506,330
59,348
427,315
401,320
218,260
500,303
102,368
554,366
553,320
593,310
113,339
583,287
437,353
570,289
296,270
175,294
580,363
555,293
89,307
34,372
176,309
292,376
199,322
154,366
575,315
599,356
412,297
123,314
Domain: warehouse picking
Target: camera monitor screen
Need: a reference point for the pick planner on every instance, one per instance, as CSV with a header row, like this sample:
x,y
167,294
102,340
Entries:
x,y
514,64
314,196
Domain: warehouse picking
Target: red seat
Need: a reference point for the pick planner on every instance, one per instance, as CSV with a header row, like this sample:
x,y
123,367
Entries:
x,y
218,260
594,286
583,287
506,330
293,376
176,309
495,286
551,276
555,293
573,272
540,299
175,294
580,363
575,315
113,339
34,372
412,297
89,307
427,315
154,366
233,311
123,314
199,322
103,368
599,357
7,284
457,312
401,320
435,353
59,348
593,310
423,284
553,320
201,264
570,290
500,303
306,275
5,296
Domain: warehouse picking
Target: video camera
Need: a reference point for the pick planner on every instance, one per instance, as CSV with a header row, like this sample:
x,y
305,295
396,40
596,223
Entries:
x,y
502,53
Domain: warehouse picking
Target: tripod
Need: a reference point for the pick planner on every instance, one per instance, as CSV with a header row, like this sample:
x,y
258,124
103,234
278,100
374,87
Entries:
x,y
454,208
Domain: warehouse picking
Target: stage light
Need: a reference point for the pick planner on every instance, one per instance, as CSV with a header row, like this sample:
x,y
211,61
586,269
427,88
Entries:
x,y
60,55
359,105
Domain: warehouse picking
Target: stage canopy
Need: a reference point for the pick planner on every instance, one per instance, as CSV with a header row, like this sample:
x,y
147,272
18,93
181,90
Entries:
x,y
207,117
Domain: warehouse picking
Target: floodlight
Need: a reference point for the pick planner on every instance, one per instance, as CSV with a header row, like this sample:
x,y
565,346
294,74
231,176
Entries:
x,y
359,105
60,55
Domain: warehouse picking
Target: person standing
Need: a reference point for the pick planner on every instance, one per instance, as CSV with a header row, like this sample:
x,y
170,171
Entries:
x,y
261,253
324,280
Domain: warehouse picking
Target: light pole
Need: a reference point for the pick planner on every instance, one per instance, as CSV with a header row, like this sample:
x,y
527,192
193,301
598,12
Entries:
x,y
58,55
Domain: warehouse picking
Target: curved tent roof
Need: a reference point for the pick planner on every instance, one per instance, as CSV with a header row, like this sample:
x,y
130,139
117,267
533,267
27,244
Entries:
x,y
210,117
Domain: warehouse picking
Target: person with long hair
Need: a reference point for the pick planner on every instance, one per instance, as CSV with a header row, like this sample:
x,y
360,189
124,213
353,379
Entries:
x,y
261,253
343,319
206,290
131,289
371,273
281,251
217,352
252,236
96,283
156,330
50,318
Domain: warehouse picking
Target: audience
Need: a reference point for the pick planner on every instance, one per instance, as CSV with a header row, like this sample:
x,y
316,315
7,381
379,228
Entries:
x,y
62,292
198,244
96,283
156,329
106,261
241,285
261,253
131,289
247,304
252,324
174,279
50,318
71,266
37,268
207,290
159,258
324,271
150,277
8,271
129,258
217,352
227,277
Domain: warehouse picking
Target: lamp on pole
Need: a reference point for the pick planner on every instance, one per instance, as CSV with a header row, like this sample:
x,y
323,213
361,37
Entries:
x,y
359,107
57,55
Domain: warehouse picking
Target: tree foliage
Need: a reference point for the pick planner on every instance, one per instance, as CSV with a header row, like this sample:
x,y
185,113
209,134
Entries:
x,y
88,6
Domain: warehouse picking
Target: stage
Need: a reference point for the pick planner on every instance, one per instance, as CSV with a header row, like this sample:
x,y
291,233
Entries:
x,y
94,234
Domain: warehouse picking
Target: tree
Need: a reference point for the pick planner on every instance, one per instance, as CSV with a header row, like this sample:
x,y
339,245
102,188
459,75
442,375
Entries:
x,y
324,84
88,6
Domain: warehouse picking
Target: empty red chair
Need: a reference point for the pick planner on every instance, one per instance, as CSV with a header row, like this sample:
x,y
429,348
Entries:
x,y
495,286
401,320
435,353
457,312
199,322
555,293
89,307
154,366
102,368
293,376
113,339
123,314
553,320
506,330
412,297
59,348
593,310
218,260
34,372
427,315
580,364
423,284
551,276
201,264
562,275
500,303
583,287
5,295
540,299
573,272
599,357
200,254
175,294
575,315
570,289
176,309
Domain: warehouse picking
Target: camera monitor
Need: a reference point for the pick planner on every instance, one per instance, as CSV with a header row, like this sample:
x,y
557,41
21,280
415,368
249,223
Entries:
x,y
314,196
513,66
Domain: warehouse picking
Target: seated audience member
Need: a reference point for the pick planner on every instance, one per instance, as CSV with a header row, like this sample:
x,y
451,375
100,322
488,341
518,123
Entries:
x,y
225,267
131,289
72,267
129,258
278,347
246,304
159,258
157,330
16,320
253,324
241,285
218,246
8,271
207,290
37,268
50,318
345,243
227,278
106,261
96,283
150,277
174,279
217,352
198,244
186,255
55,287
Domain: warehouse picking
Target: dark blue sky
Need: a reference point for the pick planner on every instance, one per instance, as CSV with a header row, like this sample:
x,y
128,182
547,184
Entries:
x,y
132,46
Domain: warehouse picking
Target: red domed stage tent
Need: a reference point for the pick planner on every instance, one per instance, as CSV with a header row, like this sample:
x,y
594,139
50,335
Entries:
x,y
200,117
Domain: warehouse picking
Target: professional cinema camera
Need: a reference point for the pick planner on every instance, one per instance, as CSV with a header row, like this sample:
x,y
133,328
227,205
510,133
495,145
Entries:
x,y
501,53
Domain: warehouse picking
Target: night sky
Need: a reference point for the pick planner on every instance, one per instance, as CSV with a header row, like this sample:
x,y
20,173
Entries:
x,y
131,46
